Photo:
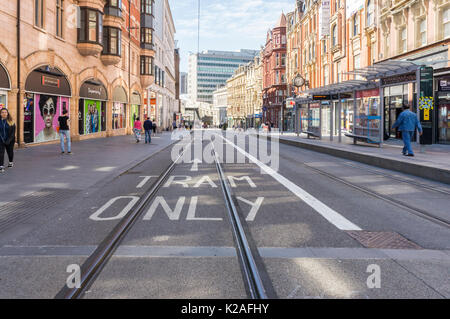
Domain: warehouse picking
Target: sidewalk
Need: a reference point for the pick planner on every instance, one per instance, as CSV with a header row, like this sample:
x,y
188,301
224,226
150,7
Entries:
x,y
43,167
432,163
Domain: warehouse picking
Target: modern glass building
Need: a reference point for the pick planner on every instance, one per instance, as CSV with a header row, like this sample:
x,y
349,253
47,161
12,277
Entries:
x,y
211,69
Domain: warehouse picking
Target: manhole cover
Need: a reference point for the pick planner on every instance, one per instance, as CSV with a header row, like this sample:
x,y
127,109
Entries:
x,y
383,240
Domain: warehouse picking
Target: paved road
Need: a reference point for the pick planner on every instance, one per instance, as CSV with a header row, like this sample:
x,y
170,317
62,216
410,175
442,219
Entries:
x,y
302,221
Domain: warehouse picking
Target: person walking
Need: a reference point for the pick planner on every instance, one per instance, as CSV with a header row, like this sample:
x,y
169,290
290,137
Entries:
x,y
148,126
64,131
137,127
407,123
7,138
154,127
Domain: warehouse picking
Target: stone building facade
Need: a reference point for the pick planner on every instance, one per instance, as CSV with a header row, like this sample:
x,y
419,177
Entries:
x,y
274,73
92,58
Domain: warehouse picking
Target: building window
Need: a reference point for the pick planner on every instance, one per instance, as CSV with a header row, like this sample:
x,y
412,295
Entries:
x,y
326,75
334,35
112,41
283,59
59,18
446,23
403,39
147,7
423,32
146,65
91,26
357,62
146,36
355,25
39,13
370,13
114,8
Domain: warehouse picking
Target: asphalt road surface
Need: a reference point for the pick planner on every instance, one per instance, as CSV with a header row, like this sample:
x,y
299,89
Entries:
x,y
317,227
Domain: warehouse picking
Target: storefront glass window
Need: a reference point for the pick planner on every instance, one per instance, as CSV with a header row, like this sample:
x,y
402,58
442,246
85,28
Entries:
x,y
92,116
118,116
368,117
3,102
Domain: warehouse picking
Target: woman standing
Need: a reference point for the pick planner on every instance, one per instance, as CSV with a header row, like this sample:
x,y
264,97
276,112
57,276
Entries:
x,y
7,138
137,129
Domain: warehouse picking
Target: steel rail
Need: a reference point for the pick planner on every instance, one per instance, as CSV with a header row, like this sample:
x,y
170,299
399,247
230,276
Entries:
x,y
92,267
250,271
399,179
411,209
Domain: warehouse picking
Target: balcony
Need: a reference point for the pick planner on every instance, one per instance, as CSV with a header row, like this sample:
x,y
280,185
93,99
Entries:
x,y
113,21
88,48
110,59
147,80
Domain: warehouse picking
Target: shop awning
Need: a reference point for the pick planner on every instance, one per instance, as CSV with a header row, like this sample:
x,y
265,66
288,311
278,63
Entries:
x,y
372,75
387,68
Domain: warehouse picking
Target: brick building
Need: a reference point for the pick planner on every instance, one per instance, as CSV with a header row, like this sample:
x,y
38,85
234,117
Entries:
x,y
274,73
92,58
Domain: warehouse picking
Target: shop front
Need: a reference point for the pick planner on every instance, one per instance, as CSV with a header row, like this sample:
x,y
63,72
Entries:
x,y
368,115
5,86
135,107
119,111
47,96
443,109
397,91
92,108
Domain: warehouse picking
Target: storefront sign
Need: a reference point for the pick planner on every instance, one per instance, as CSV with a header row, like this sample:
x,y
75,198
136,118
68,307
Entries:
x,y
89,90
444,85
50,81
367,93
393,80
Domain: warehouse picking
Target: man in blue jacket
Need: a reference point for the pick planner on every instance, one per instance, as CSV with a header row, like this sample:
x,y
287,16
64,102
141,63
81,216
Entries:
x,y
148,126
407,123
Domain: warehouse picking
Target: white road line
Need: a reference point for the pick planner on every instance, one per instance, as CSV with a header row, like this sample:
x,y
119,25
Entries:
x,y
328,213
195,165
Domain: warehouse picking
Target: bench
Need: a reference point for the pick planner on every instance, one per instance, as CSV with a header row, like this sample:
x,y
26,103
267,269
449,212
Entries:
x,y
362,138
311,134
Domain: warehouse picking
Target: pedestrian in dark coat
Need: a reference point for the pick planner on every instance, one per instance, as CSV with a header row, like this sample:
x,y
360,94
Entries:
x,y
7,138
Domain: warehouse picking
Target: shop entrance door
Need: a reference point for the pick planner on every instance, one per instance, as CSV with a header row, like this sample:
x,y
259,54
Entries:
x,y
444,123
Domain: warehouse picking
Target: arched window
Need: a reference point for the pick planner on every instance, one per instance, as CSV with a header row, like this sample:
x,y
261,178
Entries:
x,y
334,33
370,13
355,25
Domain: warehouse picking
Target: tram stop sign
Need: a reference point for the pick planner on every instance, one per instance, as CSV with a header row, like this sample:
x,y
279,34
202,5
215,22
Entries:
x,y
426,104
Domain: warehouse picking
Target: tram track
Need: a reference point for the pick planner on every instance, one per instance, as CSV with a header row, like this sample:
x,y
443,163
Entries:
x,y
96,262
409,208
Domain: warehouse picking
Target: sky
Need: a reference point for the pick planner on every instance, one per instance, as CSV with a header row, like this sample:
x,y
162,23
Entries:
x,y
227,25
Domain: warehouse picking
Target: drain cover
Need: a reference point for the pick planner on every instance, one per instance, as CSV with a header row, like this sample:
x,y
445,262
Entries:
x,y
383,240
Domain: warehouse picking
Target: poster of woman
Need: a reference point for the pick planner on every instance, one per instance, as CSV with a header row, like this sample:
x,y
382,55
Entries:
x,y
46,120
92,115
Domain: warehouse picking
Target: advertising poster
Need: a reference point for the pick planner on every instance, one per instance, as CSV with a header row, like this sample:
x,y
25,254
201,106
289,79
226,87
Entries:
x,y
47,110
134,114
92,113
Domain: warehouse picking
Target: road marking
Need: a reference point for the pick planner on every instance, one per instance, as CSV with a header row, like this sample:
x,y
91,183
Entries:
x,y
232,179
265,252
328,213
254,205
183,183
144,181
172,214
133,201
203,180
195,163
193,208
